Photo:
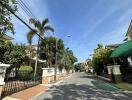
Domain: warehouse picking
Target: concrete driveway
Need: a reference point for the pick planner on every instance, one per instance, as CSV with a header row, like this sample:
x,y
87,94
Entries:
x,y
81,86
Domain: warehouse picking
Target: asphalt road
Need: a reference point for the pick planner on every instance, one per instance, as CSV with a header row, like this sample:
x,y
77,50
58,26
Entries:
x,y
79,86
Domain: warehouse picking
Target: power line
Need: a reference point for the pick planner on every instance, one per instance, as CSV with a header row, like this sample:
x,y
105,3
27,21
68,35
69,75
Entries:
x,y
25,9
31,13
27,4
8,8
22,17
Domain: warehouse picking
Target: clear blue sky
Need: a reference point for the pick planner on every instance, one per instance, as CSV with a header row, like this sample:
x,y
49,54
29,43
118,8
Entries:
x,y
89,22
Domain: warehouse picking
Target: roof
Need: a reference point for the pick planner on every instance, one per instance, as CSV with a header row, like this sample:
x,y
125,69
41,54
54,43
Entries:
x,y
5,37
125,39
33,46
129,31
112,46
124,50
39,60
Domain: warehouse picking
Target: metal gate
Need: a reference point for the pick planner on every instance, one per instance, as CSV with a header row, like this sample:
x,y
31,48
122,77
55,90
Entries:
x,y
16,81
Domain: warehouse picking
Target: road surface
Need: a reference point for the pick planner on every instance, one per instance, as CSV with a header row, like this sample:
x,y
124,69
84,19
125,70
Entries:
x,y
80,86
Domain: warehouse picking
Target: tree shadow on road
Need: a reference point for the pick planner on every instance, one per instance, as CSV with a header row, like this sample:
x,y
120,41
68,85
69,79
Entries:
x,y
83,92
89,77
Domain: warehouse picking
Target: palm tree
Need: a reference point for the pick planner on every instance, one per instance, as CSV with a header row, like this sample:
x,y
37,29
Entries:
x,y
40,28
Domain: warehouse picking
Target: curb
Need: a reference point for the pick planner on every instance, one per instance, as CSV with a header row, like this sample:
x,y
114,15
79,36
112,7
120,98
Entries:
x,y
128,92
10,98
49,86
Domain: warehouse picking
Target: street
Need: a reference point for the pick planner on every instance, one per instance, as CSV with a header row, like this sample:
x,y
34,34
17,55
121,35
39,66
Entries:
x,y
81,86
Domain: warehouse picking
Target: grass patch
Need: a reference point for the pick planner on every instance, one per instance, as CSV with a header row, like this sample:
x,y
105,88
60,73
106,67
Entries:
x,y
124,86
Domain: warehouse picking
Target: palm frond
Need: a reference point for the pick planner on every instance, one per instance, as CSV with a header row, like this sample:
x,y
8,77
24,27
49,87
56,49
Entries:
x,y
35,22
30,36
45,21
38,24
48,28
32,21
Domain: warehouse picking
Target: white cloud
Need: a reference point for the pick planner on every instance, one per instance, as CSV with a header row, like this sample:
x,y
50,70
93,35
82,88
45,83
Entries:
x,y
125,15
39,7
115,36
100,20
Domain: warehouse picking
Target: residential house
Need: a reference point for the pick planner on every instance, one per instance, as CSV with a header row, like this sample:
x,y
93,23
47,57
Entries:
x,y
128,38
129,33
33,57
112,46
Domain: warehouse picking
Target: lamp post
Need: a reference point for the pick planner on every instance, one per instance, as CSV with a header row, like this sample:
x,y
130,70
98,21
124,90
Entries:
x,y
67,49
56,66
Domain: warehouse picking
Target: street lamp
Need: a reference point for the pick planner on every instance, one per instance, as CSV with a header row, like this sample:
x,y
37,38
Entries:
x,y
56,66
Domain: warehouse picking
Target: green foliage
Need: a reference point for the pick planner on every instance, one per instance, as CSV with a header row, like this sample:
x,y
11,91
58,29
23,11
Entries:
x,y
65,57
48,50
26,68
5,16
25,71
41,28
89,63
79,67
12,54
69,59
101,57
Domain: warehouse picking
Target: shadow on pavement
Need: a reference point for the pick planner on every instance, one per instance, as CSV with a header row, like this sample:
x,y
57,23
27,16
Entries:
x,y
89,77
83,92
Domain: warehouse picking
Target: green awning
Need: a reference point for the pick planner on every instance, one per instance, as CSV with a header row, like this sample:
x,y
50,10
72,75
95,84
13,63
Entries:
x,y
124,50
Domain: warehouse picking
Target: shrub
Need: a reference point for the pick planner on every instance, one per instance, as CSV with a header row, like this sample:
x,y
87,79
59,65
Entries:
x,y
26,68
25,72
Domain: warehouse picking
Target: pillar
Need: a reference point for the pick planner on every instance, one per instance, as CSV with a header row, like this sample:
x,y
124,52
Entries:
x,y
48,75
3,68
109,68
117,73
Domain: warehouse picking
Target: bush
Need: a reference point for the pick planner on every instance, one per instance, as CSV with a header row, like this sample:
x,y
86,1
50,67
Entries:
x,y
26,68
25,71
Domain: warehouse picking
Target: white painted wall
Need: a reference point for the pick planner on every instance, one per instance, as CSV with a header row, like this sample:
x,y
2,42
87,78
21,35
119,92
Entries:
x,y
3,68
51,71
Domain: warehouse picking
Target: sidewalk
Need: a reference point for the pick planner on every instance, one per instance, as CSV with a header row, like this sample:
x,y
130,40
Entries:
x,y
27,94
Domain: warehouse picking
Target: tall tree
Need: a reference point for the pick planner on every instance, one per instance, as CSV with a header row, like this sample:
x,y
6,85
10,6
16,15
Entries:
x,y
101,56
40,28
13,54
5,16
69,59
48,51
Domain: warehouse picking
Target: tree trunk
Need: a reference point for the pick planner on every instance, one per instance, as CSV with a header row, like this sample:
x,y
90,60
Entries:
x,y
36,63
30,56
